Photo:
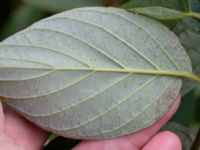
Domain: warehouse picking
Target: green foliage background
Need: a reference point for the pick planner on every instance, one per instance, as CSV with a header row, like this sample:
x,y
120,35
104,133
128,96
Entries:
x,y
15,15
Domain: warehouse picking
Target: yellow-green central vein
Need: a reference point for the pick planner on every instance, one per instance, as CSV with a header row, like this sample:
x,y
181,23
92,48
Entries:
x,y
181,74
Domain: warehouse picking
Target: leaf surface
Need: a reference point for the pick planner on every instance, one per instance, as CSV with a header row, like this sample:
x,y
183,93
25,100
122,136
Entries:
x,y
160,13
92,73
163,14
195,5
181,5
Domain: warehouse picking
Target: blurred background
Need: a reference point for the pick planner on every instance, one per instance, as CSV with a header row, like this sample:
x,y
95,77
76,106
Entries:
x,y
16,15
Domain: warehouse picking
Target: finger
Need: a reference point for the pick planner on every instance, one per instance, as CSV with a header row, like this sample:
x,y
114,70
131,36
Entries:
x,y
132,141
113,144
164,141
23,132
141,137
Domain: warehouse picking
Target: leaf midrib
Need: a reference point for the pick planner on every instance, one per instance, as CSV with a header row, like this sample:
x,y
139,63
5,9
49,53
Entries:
x,y
181,74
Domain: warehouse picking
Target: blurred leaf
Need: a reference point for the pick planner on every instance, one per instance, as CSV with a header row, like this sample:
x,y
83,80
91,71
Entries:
x,y
195,5
61,143
188,31
162,13
61,5
196,143
182,5
187,24
159,13
22,17
182,132
186,112
197,110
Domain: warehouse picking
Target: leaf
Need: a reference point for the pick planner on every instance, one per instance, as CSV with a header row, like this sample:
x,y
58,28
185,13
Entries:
x,y
163,14
160,13
197,111
181,5
195,5
182,132
188,31
93,73
61,5
186,109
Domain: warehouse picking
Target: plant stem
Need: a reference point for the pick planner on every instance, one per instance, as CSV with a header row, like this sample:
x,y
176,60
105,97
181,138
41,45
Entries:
x,y
193,14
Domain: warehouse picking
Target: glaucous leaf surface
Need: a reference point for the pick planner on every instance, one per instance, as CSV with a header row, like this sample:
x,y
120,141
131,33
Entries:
x,y
71,73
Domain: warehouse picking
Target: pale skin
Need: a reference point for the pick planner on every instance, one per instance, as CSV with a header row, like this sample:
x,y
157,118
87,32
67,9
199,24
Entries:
x,y
18,134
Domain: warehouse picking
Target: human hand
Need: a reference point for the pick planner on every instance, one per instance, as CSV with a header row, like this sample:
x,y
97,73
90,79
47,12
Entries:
x,y
18,134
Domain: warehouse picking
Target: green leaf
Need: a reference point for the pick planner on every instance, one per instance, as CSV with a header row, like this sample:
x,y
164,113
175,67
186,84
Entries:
x,y
93,73
61,5
159,13
195,5
181,5
182,132
197,111
186,109
22,17
163,14
188,31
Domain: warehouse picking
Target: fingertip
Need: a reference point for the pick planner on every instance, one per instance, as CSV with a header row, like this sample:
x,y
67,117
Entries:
x,y
31,137
165,140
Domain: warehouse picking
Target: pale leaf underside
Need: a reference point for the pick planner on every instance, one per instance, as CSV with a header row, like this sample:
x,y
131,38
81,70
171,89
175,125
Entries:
x,y
73,73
